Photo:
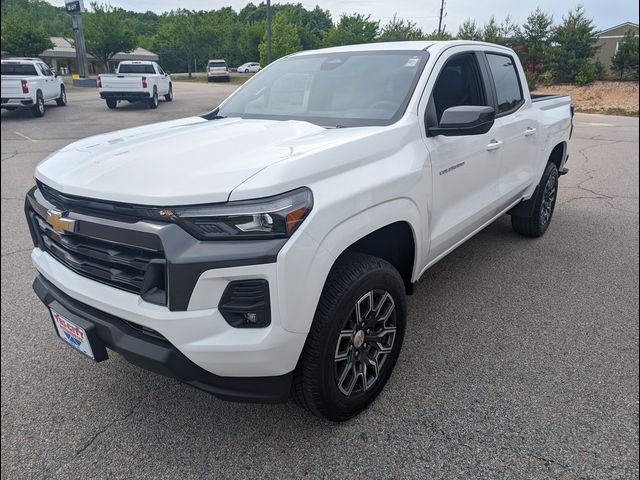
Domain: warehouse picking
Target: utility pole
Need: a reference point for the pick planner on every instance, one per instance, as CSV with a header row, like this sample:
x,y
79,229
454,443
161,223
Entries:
x,y
268,32
442,15
75,8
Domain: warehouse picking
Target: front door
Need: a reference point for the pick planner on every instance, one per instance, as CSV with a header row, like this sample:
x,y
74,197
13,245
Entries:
x,y
465,169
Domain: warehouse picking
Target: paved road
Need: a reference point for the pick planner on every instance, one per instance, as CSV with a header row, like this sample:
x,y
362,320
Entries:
x,y
520,360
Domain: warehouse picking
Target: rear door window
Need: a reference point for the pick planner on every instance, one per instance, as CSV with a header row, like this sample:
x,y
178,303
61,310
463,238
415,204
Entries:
x,y
507,83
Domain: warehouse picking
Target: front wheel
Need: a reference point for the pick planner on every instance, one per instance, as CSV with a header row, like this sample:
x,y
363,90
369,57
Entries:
x,y
153,101
536,222
169,96
355,338
61,101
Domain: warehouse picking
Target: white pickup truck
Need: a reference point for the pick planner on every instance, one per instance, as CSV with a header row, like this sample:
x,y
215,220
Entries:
x,y
266,247
30,83
135,81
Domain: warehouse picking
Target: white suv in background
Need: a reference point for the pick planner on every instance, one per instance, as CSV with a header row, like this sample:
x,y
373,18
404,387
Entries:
x,y
29,83
217,70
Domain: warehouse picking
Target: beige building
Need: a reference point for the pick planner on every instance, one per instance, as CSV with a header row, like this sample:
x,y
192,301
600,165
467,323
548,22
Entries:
x,y
62,57
608,41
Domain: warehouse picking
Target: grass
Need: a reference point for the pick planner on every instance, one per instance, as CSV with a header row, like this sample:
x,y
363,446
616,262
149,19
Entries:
x,y
234,78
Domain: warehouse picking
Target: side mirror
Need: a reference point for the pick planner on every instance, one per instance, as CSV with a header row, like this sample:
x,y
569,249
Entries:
x,y
464,120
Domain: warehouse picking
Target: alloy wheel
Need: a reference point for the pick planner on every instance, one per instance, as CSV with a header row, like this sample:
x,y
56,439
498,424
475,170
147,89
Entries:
x,y
365,342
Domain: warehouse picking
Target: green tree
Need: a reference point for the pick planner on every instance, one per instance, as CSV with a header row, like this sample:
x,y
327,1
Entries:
x,y
469,30
535,37
21,36
491,31
351,30
572,47
107,32
284,39
398,30
625,60
250,37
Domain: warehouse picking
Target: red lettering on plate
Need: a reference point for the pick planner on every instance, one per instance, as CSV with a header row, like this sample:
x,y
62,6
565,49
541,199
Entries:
x,y
72,329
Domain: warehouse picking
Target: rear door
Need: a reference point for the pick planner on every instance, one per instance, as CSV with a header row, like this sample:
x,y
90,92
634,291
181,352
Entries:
x,y
163,81
518,127
50,89
465,169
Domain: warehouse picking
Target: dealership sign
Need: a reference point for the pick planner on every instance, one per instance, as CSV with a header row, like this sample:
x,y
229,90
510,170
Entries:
x,y
74,7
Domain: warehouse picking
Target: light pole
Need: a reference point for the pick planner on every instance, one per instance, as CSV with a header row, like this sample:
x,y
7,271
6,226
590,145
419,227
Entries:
x,y
75,8
268,32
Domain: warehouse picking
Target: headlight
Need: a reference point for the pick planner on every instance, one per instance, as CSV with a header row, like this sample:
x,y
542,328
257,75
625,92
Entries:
x,y
271,217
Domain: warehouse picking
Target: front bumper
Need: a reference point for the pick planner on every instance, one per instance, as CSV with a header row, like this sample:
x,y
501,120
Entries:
x,y
152,351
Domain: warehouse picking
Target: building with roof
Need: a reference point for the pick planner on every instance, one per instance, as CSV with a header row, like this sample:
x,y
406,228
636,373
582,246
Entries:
x,y
608,41
62,57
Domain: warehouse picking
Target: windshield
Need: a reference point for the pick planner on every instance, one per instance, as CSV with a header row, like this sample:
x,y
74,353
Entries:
x,y
331,89
135,68
217,65
18,69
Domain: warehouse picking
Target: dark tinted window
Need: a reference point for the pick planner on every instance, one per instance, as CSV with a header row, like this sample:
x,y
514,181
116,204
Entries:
x,y
46,71
18,69
135,68
505,77
459,83
217,64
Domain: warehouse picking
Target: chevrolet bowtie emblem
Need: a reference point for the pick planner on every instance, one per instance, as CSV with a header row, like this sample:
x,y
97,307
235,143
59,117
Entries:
x,y
58,222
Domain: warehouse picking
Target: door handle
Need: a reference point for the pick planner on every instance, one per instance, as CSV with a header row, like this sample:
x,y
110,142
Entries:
x,y
529,131
494,145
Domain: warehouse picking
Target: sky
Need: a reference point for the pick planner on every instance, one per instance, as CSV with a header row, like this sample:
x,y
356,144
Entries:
x,y
605,13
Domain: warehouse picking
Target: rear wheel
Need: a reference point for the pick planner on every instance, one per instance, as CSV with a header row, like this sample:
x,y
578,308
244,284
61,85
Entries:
x,y
38,108
112,103
536,223
62,99
355,338
169,96
153,101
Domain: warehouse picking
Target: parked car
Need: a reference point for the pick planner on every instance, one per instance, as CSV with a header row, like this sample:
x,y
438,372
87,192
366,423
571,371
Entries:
x,y
135,81
250,67
217,70
266,248
30,83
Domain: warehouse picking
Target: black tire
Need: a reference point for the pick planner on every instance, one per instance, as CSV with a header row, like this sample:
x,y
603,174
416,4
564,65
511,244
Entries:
x,y
38,108
320,380
112,103
537,222
169,96
153,101
61,101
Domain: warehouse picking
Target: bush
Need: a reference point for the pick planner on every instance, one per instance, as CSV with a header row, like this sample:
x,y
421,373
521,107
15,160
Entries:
x,y
585,75
547,78
599,71
532,80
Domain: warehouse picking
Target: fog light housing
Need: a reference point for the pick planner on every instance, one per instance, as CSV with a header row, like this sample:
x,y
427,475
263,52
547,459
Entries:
x,y
245,304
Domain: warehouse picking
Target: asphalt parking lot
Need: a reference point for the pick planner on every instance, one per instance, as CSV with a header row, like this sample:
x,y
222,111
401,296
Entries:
x,y
520,359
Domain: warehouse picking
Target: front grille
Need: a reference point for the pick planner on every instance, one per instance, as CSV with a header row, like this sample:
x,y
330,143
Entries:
x,y
134,269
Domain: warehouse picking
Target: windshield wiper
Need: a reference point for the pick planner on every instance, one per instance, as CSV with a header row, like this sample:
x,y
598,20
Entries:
x,y
213,115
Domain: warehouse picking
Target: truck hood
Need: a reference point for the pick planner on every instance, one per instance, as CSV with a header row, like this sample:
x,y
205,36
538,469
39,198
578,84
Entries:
x,y
179,162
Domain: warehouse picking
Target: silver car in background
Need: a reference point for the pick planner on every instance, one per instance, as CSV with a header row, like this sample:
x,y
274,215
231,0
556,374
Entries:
x,y
217,70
